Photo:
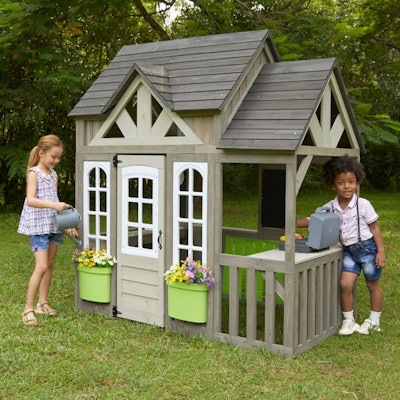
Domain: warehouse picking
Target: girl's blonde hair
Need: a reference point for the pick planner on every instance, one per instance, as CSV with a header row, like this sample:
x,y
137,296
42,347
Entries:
x,y
45,144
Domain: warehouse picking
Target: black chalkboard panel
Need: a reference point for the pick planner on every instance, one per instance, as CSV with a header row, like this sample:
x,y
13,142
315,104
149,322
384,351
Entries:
x,y
273,184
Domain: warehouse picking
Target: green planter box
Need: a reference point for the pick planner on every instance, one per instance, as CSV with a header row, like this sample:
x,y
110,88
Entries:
x,y
187,302
95,284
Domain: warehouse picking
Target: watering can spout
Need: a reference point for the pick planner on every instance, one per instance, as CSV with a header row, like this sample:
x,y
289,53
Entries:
x,y
77,241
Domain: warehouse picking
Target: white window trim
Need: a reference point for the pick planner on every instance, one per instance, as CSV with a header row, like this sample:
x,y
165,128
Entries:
x,y
202,168
98,236
141,172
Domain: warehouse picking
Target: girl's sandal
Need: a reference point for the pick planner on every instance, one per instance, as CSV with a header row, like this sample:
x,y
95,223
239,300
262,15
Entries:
x,y
44,308
27,317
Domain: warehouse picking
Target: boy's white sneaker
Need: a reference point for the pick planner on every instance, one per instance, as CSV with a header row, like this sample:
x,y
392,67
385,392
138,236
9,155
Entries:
x,y
349,326
367,326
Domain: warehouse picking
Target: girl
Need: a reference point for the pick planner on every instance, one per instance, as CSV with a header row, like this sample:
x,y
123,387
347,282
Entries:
x,y
38,221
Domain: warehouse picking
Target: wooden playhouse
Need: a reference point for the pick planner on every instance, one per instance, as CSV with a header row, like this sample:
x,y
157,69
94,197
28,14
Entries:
x,y
154,133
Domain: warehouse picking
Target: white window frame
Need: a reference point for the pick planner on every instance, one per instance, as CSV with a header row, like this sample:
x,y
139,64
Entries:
x,y
99,236
202,169
140,172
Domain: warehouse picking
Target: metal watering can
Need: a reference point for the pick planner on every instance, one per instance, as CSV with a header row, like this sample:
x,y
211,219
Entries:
x,y
69,218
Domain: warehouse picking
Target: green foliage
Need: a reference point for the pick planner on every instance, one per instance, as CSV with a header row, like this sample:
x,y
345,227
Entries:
x,y
382,166
240,178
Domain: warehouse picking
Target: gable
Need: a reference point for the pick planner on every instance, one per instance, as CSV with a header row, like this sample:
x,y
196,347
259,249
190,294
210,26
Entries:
x,y
294,103
201,71
141,117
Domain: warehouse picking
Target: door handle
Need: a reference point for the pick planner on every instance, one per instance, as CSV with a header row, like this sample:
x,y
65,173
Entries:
x,y
159,239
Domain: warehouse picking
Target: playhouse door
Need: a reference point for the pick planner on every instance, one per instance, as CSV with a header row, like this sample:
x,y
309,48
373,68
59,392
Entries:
x,y
140,227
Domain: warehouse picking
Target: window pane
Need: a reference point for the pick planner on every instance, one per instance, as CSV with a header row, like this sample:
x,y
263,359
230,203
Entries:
x,y
133,187
103,201
183,206
103,179
147,213
133,212
103,224
92,201
147,188
92,224
197,255
92,178
198,182
198,207
183,233
148,239
132,237
197,235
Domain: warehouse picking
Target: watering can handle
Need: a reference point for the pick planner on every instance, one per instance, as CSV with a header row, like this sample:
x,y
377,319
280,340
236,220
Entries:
x,y
322,210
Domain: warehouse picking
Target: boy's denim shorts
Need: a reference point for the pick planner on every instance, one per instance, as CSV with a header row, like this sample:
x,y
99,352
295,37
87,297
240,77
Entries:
x,y
359,257
41,242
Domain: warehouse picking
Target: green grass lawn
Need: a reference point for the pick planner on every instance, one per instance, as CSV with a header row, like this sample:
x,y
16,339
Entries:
x,y
78,355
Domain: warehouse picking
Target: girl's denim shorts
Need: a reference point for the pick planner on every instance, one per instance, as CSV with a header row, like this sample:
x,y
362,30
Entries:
x,y
42,242
361,256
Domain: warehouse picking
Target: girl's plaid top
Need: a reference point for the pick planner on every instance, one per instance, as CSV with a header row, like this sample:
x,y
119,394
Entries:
x,y
40,221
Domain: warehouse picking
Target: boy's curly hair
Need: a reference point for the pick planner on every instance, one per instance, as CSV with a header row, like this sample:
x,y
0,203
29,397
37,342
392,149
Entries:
x,y
343,164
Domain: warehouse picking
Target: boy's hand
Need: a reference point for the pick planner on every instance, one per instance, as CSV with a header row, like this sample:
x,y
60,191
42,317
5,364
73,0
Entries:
x,y
380,260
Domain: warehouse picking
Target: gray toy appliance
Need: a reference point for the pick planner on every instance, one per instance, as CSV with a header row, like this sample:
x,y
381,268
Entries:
x,y
323,229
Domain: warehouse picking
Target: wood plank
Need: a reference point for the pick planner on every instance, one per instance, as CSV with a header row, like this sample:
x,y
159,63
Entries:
x,y
270,304
272,114
233,301
267,134
295,124
321,64
287,95
303,307
268,76
140,290
319,312
255,104
258,144
327,296
241,39
196,105
204,86
217,70
190,62
251,305
287,86
311,303
209,78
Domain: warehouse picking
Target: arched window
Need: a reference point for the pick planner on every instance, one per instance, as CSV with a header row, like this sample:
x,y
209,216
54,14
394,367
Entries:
x,y
190,211
96,205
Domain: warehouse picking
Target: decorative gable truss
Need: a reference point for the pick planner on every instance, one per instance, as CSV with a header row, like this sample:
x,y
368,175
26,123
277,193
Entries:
x,y
330,127
141,118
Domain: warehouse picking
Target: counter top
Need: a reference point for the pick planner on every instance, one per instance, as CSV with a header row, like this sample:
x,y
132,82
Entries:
x,y
279,255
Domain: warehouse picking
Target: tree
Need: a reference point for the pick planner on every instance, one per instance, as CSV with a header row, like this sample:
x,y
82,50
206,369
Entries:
x,y
51,52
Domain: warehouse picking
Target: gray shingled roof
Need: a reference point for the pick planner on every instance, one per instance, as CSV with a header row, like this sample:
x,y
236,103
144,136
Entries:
x,y
277,110
189,74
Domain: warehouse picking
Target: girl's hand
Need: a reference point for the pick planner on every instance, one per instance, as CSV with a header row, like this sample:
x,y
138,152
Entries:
x,y
72,231
61,206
